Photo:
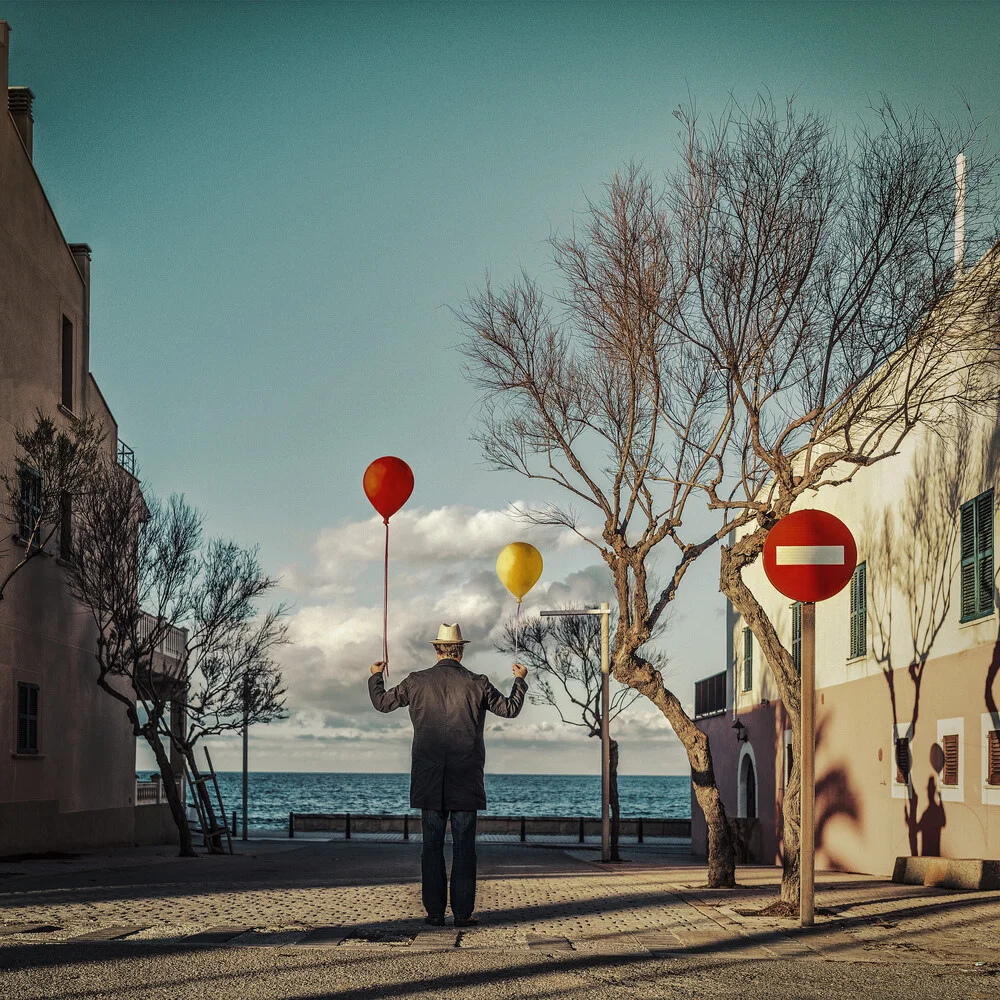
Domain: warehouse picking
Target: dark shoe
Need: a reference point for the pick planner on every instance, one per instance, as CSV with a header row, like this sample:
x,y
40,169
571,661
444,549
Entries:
x,y
466,921
434,921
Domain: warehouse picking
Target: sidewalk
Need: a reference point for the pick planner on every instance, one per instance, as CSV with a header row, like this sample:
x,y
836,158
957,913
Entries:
x,y
353,908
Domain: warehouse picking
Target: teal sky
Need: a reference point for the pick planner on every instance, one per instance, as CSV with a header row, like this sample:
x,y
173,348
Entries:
x,y
283,200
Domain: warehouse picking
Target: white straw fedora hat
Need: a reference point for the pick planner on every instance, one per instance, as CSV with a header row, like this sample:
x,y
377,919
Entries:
x,y
449,633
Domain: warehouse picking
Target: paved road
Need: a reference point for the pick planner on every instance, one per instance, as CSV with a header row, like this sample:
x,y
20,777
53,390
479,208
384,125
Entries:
x,y
343,919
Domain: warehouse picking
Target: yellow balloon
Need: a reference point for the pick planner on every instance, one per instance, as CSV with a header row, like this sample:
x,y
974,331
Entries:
x,y
519,566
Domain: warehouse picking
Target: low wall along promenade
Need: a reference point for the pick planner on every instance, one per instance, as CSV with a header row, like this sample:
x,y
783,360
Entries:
x,y
524,827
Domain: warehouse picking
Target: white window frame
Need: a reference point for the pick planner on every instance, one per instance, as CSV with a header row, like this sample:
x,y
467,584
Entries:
x,y
952,727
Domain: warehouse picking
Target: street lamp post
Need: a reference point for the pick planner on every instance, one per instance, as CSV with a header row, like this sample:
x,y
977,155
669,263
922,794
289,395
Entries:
x,y
246,694
605,612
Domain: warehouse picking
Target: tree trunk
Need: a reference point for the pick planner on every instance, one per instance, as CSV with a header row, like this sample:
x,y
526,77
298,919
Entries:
x,y
791,822
214,841
732,561
641,676
169,782
613,795
721,851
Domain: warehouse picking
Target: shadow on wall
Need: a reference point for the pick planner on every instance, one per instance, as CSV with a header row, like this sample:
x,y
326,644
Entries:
x,y
932,820
913,556
836,798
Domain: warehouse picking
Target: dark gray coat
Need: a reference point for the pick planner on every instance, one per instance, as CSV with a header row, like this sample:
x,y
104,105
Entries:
x,y
448,706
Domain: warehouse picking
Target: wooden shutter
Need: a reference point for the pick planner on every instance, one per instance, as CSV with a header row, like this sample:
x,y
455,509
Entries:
x,y
33,718
27,718
993,756
861,630
984,551
854,615
949,776
859,612
22,734
968,551
902,761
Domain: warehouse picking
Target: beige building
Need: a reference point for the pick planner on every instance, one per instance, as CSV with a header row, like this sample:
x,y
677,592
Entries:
x,y
67,767
907,667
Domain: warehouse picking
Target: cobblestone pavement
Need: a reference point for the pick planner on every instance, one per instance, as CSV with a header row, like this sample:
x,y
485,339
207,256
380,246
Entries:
x,y
356,905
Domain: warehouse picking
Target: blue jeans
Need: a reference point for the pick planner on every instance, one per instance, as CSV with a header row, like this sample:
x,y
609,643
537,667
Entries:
x,y
463,865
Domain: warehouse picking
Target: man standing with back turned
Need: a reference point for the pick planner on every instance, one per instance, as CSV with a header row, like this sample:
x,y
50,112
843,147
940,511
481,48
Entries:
x,y
448,705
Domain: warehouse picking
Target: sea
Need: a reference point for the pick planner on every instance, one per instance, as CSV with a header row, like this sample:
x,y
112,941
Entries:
x,y
274,794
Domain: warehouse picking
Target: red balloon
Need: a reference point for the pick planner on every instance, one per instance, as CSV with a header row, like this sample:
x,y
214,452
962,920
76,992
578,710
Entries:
x,y
388,484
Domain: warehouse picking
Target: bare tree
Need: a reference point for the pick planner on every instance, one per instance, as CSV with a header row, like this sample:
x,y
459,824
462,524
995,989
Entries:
x,y
52,467
601,401
564,654
178,624
821,286
781,315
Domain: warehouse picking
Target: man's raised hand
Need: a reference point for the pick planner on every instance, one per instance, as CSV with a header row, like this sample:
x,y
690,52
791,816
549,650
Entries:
x,y
520,671
377,668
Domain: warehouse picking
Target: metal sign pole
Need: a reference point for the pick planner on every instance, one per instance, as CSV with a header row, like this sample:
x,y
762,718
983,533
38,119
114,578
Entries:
x,y
809,555
605,735
807,835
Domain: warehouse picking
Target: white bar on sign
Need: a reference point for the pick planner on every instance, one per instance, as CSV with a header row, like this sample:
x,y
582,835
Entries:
x,y
809,555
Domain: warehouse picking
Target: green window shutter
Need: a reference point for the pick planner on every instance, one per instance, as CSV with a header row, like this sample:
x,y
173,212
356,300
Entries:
x,y
984,552
859,611
968,553
797,636
862,574
977,556
856,620
747,660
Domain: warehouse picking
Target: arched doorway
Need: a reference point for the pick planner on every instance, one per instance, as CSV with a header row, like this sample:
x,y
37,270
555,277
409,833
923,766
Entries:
x,y
750,786
746,801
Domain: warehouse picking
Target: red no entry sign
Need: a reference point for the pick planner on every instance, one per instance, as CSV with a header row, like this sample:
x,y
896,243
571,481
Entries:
x,y
810,555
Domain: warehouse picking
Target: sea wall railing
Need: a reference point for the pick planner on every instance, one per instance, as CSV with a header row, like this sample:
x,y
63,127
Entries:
x,y
523,827
152,792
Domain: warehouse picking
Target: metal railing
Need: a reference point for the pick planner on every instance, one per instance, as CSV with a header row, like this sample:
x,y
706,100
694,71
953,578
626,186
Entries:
x,y
571,829
174,642
710,695
126,457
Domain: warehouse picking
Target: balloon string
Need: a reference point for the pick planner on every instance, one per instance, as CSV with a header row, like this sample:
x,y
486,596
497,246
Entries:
x,y
517,622
385,604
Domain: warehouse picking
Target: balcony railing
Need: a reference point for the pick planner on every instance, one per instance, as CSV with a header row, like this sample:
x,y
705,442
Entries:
x,y
126,458
173,645
710,695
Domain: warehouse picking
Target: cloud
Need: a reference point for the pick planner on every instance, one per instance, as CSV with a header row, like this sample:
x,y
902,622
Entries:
x,y
420,539
442,571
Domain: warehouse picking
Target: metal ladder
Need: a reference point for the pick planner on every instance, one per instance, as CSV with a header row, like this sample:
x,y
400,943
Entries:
x,y
207,823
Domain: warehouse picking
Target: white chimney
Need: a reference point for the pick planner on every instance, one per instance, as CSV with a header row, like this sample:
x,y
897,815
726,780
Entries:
x,y
959,214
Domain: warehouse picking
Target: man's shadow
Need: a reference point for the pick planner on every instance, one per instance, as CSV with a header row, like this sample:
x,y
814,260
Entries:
x,y
931,822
